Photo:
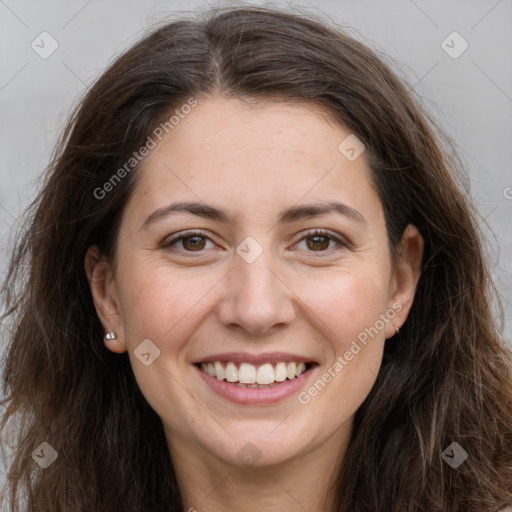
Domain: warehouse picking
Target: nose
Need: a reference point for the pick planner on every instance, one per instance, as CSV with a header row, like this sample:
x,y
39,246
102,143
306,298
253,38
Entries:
x,y
256,298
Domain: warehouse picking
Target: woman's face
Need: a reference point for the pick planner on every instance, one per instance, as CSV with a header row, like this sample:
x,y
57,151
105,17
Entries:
x,y
253,290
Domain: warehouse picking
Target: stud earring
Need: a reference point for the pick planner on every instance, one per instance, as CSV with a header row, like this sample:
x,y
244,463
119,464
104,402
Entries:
x,y
110,336
397,330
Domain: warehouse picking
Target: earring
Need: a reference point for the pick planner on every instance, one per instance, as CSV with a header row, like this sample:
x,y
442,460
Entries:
x,y
110,336
397,330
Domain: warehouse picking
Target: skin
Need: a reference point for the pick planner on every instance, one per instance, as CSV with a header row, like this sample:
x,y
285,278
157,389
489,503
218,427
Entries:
x,y
301,295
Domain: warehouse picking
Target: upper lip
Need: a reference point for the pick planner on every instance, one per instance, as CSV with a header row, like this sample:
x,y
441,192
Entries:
x,y
255,359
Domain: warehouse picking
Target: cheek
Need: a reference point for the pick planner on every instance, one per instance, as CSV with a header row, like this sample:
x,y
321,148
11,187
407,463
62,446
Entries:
x,y
349,317
163,306
158,302
347,302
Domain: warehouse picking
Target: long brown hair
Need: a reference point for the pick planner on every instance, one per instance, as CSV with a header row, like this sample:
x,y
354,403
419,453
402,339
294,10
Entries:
x,y
445,378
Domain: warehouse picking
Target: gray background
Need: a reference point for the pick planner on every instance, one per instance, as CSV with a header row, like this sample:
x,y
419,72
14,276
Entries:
x,y
471,95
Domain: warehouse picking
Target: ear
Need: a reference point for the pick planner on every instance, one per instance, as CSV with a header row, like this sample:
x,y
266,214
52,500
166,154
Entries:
x,y
104,294
406,274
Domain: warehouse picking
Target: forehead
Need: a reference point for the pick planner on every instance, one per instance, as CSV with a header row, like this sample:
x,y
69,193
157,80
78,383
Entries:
x,y
253,156
283,129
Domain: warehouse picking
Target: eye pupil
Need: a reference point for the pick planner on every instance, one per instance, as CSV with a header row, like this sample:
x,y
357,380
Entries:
x,y
194,245
325,244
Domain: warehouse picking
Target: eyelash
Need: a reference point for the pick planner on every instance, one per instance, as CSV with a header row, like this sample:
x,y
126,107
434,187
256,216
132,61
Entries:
x,y
316,232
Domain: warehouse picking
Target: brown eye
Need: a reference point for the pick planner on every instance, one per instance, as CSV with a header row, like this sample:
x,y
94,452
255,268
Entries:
x,y
319,242
188,242
193,243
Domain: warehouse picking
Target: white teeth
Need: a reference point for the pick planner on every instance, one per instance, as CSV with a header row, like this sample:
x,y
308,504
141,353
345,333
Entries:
x,y
301,368
291,370
248,375
231,372
280,372
265,374
219,370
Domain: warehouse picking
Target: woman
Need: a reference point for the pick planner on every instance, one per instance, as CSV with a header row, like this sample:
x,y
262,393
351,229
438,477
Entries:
x,y
253,282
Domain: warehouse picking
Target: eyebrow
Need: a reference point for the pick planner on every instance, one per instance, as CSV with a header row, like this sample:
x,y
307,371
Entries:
x,y
289,215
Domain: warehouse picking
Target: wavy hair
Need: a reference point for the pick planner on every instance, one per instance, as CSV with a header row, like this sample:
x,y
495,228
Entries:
x,y
445,378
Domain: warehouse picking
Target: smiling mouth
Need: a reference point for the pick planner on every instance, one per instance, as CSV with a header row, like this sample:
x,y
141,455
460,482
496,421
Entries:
x,y
247,375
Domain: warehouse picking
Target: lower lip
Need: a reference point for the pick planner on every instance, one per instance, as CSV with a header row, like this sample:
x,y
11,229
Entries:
x,y
255,396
